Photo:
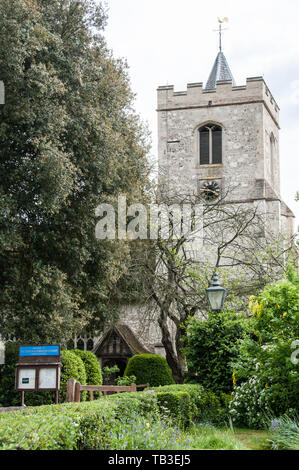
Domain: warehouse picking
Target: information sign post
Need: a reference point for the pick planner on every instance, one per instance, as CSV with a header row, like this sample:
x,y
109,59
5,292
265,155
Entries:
x,y
38,370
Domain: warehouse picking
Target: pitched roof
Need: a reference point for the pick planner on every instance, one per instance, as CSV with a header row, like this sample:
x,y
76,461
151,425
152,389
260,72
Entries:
x,y
125,332
132,340
220,71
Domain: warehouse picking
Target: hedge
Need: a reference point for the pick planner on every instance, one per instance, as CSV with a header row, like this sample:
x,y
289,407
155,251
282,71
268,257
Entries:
x,y
177,406
92,368
56,427
205,406
149,368
72,367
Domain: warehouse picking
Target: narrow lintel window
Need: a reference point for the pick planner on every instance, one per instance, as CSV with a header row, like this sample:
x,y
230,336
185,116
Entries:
x,y
210,145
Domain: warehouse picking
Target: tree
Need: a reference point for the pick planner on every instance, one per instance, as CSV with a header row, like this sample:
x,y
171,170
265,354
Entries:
x,y
69,140
231,238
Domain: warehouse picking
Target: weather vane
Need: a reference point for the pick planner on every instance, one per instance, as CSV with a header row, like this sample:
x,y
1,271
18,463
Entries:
x,y
220,30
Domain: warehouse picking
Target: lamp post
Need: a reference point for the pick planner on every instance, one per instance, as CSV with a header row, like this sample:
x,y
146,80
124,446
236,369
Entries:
x,y
216,294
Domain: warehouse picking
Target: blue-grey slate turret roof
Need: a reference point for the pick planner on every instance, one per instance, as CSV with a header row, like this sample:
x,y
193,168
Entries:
x,y
220,71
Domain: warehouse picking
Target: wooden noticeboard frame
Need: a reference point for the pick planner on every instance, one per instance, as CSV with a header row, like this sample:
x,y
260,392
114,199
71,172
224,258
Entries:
x,y
36,359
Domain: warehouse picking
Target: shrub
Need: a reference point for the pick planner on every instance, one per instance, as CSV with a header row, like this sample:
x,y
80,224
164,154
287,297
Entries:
x,y
177,406
205,406
126,381
109,374
8,395
128,404
67,426
194,392
210,348
92,368
149,368
72,367
250,405
270,377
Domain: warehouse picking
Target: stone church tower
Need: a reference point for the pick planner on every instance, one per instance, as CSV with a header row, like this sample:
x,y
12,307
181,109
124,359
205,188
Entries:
x,y
209,137
221,134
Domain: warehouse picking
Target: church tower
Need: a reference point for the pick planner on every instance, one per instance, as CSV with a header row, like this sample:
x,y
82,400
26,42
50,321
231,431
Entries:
x,y
219,135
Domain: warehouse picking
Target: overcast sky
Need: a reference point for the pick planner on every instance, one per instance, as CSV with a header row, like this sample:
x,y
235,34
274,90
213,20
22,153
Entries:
x,y
173,42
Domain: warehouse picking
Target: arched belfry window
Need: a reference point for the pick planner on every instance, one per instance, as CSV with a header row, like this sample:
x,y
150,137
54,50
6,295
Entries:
x,y
210,145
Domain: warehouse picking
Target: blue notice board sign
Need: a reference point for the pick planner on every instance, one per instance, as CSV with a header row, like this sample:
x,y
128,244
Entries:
x,y
29,351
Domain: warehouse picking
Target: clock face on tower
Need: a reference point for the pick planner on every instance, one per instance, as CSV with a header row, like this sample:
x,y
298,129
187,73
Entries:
x,y
210,190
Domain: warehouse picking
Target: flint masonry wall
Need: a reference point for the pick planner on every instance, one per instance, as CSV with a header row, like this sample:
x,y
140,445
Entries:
x,y
249,117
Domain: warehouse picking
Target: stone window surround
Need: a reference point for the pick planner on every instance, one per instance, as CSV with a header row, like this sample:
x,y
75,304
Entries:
x,y
196,146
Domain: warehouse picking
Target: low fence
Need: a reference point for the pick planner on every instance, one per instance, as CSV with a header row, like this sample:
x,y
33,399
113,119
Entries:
x,y
74,388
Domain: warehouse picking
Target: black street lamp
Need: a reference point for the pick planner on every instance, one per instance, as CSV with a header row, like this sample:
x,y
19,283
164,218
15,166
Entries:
x,y
216,294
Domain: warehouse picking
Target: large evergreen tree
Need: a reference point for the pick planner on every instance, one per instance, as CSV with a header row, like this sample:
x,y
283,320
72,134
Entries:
x,y
69,140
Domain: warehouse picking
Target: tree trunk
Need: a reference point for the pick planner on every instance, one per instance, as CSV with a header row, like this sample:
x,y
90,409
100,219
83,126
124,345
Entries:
x,y
171,356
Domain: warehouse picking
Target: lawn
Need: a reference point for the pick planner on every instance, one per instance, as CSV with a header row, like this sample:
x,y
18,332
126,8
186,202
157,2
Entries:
x,y
206,437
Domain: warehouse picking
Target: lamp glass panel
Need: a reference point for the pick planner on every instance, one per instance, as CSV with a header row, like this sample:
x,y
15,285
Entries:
x,y
215,298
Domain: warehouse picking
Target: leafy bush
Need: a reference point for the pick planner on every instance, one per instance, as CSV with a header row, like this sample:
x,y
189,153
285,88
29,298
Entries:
x,y
92,368
126,381
266,379
176,405
205,406
72,367
140,403
210,348
67,426
124,421
149,368
284,433
8,395
109,374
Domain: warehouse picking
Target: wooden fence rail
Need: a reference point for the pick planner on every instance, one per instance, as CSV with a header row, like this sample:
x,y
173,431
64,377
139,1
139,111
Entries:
x,y
74,388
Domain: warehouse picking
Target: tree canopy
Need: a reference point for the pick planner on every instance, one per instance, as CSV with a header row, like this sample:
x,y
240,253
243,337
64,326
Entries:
x,y
69,140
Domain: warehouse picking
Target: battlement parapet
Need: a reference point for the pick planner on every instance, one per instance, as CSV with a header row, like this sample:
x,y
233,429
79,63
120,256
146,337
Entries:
x,y
196,96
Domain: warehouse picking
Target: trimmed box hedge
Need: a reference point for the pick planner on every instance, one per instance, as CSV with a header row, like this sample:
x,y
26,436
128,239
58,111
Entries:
x,y
177,406
149,368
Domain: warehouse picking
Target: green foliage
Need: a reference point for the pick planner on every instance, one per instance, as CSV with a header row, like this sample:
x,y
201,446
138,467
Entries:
x,y
126,381
103,424
69,141
140,403
92,368
210,348
72,367
8,395
149,368
205,406
109,374
177,406
284,433
67,426
267,379
147,433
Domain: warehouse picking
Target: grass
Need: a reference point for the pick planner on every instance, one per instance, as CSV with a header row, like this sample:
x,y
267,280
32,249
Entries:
x,y
207,437
253,440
